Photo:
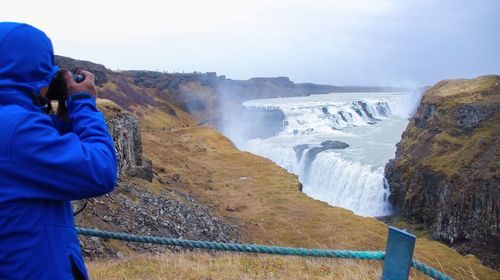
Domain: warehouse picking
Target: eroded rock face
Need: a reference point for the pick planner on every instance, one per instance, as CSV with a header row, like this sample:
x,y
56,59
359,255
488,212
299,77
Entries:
x,y
125,129
446,169
471,116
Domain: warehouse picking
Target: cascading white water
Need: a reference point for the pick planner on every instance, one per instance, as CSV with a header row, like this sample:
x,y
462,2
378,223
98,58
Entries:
x,y
353,177
353,185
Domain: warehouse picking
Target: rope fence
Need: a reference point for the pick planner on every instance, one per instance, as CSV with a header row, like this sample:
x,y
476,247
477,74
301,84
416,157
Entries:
x,y
252,248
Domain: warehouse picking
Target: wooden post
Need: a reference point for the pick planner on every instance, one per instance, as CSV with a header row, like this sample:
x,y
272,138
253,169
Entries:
x,y
398,254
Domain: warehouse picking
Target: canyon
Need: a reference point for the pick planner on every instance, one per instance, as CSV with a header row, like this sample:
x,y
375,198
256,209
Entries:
x,y
192,182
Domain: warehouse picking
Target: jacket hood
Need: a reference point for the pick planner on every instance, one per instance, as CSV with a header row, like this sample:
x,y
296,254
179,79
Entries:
x,y
26,63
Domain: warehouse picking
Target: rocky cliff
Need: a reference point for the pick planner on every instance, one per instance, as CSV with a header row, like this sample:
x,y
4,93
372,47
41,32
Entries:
x,y
445,173
125,129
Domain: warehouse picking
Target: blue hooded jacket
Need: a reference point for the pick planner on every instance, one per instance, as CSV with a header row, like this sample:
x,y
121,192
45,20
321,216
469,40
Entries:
x,y
44,162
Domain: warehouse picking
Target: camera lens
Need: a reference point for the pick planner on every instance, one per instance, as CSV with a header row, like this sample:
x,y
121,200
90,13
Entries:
x,y
78,78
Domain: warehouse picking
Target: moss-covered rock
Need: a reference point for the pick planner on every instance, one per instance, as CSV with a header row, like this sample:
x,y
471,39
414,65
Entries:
x,y
446,169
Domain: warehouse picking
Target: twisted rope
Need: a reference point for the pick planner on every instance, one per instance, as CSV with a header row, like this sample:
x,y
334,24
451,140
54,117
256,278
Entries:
x,y
252,248
428,270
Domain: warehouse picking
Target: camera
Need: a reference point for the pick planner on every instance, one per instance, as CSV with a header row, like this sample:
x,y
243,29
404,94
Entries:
x,y
57,88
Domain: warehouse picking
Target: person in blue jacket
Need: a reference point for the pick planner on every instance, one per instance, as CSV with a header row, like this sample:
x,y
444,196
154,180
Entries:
x,y
45,162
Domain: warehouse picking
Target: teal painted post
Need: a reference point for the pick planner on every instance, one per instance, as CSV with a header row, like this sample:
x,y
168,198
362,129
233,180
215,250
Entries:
x,y
398,254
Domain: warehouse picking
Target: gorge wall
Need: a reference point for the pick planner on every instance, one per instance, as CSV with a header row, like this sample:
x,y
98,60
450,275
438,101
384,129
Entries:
x,y
445,173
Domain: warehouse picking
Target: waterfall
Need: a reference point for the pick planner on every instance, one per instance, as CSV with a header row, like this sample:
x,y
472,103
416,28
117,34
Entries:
x,y
351,185
338,145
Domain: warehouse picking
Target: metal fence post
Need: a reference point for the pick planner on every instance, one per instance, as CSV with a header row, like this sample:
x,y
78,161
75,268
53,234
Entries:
x,y
398,254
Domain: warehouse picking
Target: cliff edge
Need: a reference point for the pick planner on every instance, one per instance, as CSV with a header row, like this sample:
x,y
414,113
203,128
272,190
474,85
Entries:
x,y
445,173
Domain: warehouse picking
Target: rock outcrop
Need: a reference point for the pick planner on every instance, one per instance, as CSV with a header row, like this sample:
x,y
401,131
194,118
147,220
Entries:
x,y
125,129
445,173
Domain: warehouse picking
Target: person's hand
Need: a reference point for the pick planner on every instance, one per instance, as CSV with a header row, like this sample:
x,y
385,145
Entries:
x,y
87,85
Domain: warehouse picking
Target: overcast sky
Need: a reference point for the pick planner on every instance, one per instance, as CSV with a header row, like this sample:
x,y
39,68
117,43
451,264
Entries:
x,y
357,42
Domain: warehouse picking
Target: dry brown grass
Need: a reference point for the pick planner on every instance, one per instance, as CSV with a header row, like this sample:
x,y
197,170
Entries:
x,y
465,91
232,266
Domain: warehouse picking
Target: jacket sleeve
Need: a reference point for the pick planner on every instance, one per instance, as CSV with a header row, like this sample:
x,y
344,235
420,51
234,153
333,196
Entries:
x,y
72,166
62,126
